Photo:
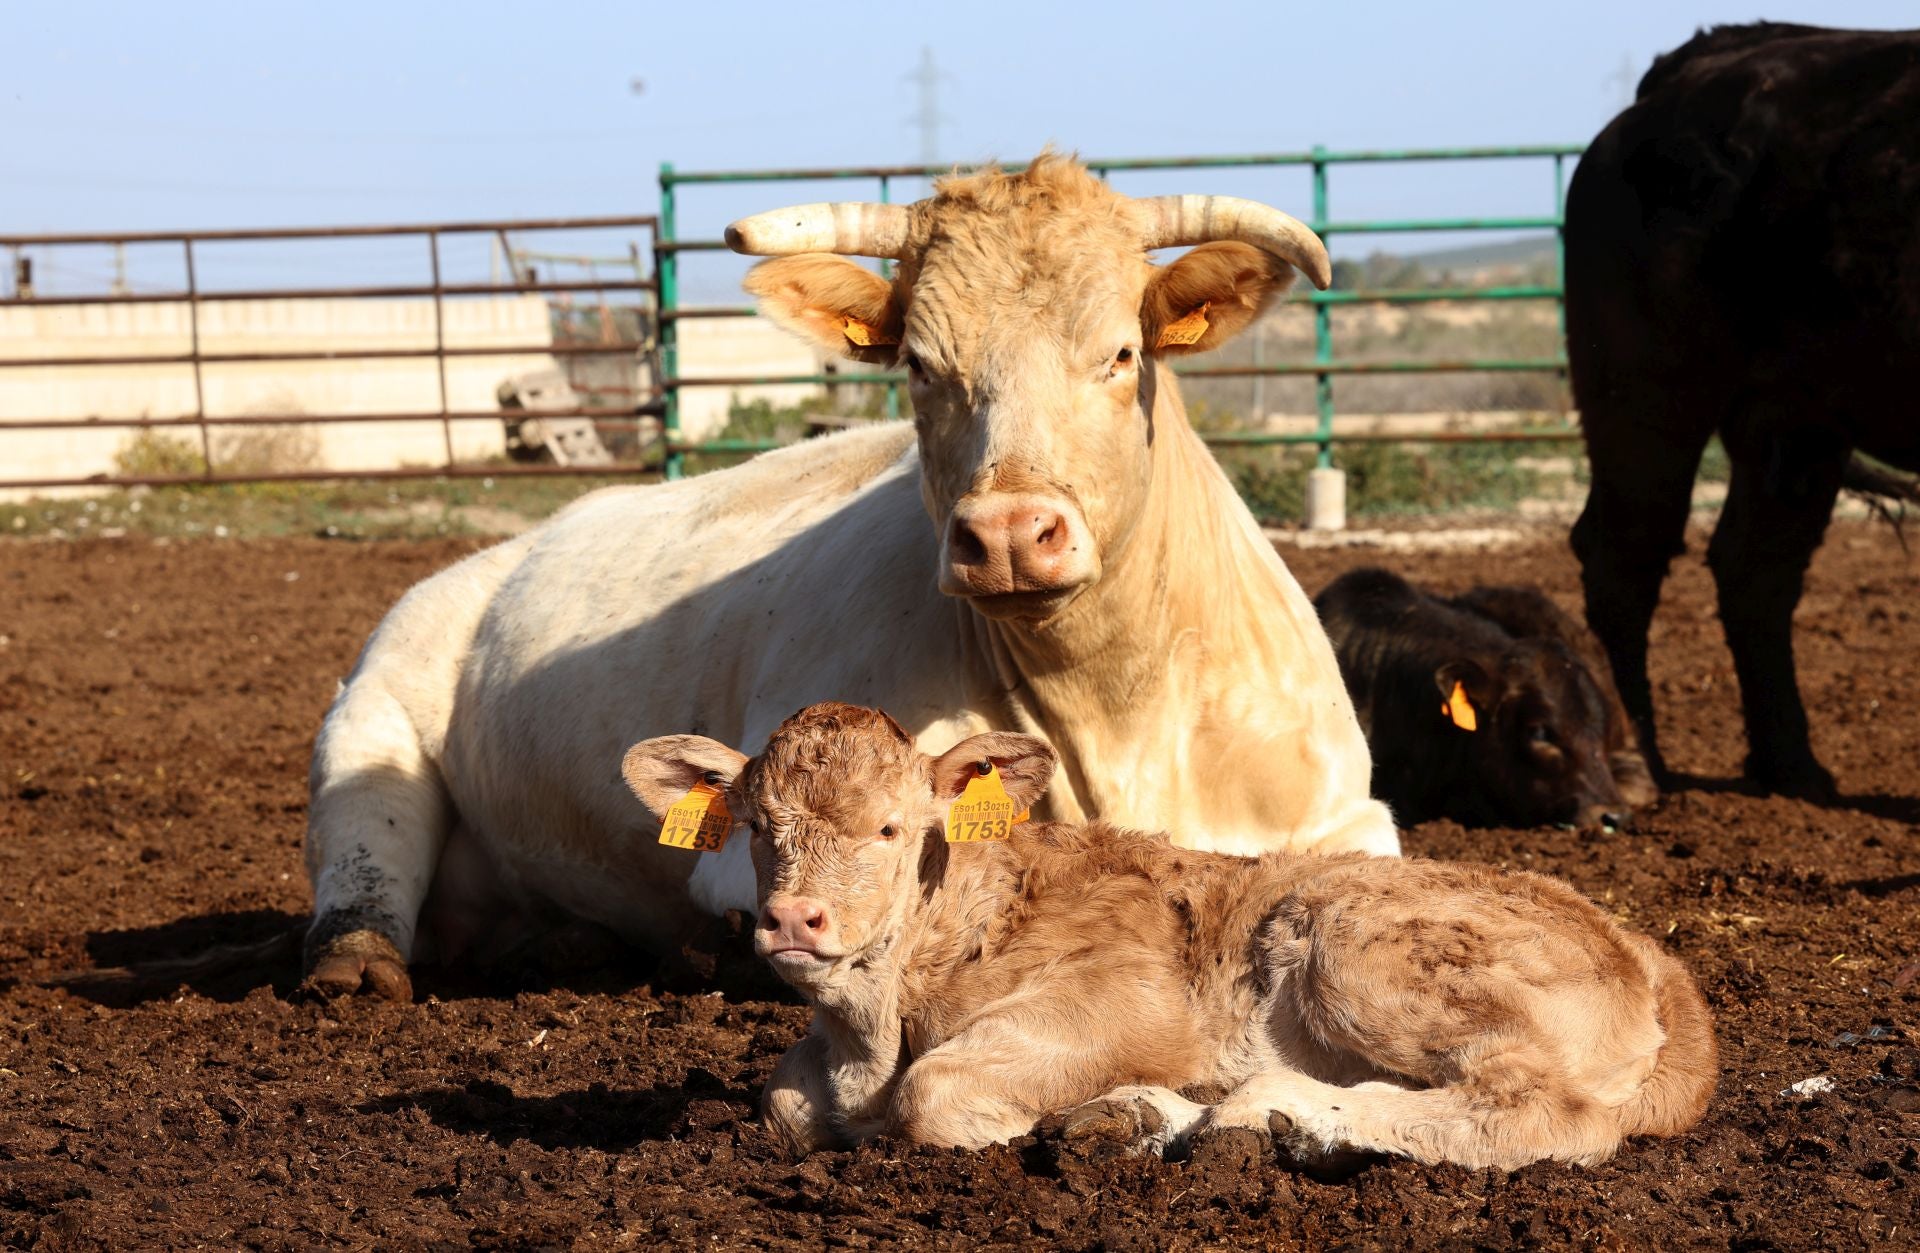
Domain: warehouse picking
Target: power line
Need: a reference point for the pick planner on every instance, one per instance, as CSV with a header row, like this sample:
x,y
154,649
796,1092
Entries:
x,y
928,117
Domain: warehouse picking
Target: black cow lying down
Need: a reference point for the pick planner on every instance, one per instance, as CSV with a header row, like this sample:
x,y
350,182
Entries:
x,y
1493,708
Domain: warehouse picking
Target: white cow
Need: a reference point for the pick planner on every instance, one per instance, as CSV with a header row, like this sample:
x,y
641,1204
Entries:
x,y
1089,575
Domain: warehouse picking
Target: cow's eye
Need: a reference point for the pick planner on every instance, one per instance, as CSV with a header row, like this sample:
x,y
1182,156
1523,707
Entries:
x,y
1538,733
1121,360
886,832
915,369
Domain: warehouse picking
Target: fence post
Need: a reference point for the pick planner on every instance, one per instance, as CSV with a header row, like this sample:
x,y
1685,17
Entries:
x,y
667,272
199,388
1560,275
1326,486
886,272
1322,322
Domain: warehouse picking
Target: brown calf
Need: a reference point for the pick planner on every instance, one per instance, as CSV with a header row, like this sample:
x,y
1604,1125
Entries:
x,y
963,991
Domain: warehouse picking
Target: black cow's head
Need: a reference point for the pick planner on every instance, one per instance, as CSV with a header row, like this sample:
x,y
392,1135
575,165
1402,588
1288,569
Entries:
x,y
1535,728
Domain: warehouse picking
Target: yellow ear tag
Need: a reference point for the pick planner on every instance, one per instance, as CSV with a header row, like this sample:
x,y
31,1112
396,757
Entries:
x,y
983,811
1187,330
699,820
1460,709
864,334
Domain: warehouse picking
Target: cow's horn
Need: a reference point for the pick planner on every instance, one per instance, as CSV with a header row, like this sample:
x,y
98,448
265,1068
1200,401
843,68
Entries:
x,y
847,227
1175,221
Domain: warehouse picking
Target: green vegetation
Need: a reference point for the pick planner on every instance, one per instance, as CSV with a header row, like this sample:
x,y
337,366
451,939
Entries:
x,y
352,509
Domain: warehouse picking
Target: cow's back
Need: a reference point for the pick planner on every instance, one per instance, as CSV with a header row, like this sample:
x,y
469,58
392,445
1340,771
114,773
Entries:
x,y
1751,226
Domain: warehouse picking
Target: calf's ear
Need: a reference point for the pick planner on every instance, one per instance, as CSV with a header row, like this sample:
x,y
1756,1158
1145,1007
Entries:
x,y
1210,295
661,771
839,304
1476,689
1024,762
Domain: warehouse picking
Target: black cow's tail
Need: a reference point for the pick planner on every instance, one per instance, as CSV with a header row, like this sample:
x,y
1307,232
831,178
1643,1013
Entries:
x,y
1886,491
147,978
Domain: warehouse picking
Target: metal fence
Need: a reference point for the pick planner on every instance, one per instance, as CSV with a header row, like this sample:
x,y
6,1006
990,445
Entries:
x,y
195,295
1324,368
658,299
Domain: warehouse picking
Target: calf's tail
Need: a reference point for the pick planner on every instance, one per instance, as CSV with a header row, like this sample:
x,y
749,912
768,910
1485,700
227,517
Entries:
x,y
1675,1094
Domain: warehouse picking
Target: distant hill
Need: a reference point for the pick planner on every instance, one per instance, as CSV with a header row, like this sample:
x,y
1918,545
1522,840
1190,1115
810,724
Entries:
x,y
1510,253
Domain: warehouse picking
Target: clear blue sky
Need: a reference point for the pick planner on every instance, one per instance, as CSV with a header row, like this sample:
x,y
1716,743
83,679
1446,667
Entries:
x,y
144,115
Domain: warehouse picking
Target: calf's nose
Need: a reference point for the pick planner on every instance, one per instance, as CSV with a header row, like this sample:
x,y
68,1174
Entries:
x,y
796,922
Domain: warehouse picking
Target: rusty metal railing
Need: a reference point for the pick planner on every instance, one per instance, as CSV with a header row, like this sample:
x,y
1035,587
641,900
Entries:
x,y
194,295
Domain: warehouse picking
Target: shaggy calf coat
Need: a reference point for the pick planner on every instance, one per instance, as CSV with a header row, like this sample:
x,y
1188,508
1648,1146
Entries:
x,y
965,991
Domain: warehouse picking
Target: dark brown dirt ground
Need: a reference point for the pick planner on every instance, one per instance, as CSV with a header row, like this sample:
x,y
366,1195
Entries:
x,y
157,703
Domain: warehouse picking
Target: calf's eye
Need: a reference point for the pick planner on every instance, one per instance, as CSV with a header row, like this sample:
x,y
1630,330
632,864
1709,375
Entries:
x,y
1539,734
886,832
1121,360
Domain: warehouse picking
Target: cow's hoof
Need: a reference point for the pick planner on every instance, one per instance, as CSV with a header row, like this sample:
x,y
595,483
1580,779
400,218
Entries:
x,y
1132,1122
1633,780
1804,779
358,960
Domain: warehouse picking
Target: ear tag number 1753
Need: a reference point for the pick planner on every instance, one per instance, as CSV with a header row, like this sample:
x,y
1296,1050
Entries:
x,y
699,820
983,811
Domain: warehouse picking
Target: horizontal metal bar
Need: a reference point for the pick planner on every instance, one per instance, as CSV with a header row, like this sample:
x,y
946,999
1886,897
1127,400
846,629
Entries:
x,y
1415,295
1462,366
626,470
1390,226
1487,365
647,221
690,245
1352,297
323,293
673,177
708,311
323,419
339,354
1234,439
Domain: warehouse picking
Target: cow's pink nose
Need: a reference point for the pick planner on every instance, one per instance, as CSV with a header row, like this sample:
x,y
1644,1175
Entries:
x,y
998,545
795,922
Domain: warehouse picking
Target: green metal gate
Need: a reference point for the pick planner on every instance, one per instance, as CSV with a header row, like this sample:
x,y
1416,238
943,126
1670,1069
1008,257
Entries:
x,y
1323,368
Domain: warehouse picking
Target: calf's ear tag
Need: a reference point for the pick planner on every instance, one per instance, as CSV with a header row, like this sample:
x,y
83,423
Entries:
x,y
1460,709
699,820
983,811
1187,330
865,334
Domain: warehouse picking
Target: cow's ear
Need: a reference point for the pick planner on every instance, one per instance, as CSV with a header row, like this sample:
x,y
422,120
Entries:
x,y
661,771
839,304
1466,693
1025,764
1209,296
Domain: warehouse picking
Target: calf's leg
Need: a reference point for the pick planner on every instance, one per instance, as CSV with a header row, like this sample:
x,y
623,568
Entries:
x,y
998,1076
1510,1111
1149,1118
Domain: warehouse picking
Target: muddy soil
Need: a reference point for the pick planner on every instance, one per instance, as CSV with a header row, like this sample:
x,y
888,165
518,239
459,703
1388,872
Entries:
x,y
157,703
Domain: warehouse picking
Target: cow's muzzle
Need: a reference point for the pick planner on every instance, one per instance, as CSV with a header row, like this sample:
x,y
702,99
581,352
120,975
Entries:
x,y
1016,549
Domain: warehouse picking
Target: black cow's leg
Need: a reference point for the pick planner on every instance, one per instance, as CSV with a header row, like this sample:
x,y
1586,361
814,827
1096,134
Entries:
x,y
1776,513
1633,525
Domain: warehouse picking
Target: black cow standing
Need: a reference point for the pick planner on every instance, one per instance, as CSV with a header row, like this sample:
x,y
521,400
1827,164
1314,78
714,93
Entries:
x,y
1493,707
1743,257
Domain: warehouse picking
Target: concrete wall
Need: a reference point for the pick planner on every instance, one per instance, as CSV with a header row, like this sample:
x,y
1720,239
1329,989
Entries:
x,y
716,347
